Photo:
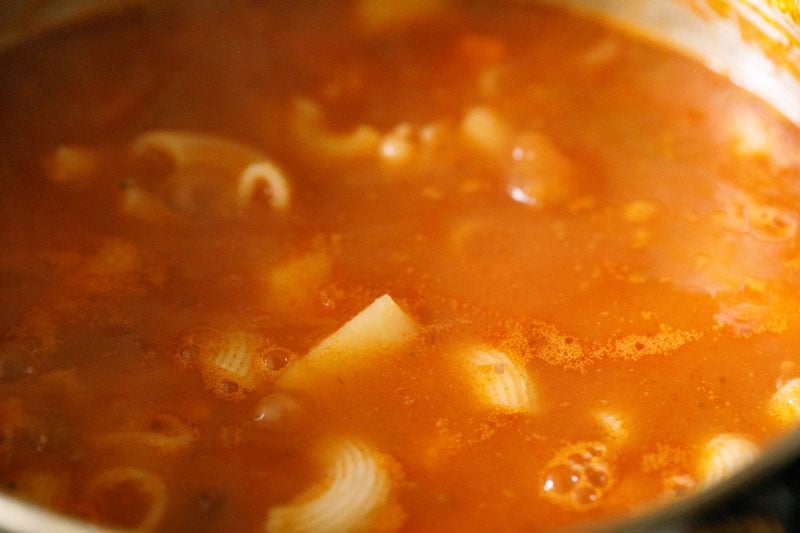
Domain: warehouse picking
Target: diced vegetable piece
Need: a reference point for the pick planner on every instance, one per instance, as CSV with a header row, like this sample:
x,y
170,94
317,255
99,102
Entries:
x,y
380,327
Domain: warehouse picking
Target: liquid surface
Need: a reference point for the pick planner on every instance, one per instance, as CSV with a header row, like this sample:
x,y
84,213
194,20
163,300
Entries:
x,y
340,266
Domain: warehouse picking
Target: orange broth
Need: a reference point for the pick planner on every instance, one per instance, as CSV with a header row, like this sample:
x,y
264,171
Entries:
x,y
607,224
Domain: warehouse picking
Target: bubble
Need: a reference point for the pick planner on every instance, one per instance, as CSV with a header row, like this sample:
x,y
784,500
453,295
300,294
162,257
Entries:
x,y
275,358
561,479
585,496
578,476
597,476
581,459
228,387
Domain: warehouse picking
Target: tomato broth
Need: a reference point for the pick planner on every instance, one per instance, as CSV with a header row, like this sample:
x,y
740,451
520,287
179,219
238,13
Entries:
x,y
334,266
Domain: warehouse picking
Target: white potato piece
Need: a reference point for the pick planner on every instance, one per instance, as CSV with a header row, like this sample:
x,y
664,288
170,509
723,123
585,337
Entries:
x,y
785,403
499,382
724,455
354,495
380,327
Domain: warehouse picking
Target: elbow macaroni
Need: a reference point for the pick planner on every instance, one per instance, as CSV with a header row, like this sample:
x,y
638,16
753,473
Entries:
x,y
355,495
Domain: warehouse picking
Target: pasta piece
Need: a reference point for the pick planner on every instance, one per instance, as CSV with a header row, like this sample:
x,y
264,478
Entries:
x,y
353,496
163,433
308,129
724,455
145,206
540,174
499,382
264,174
210,176
114,264
229,366
785,403
227,360
187,149
380,327
397,146
72,164
129,497
484,129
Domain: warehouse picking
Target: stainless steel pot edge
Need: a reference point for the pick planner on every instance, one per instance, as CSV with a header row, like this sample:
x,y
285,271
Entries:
x,y
19,516
768,66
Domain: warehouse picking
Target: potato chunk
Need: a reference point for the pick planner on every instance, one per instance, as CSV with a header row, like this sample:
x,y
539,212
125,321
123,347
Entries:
x,y
380,327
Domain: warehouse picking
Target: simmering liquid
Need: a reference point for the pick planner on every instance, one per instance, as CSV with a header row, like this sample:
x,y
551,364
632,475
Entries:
x,y
335,266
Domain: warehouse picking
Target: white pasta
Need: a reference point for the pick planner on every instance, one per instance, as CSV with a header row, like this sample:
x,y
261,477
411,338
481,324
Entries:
x,y
229,366
499,382
380,327
785,403
308,129
148,488
353,496
226,359
724,455
163,433
264,172
484,129
145,206
397,146
188,149
210,174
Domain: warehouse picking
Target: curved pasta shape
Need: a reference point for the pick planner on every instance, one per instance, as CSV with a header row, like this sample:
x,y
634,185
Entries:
x,y
785,403
499,382
308,128
229,367
124,484
263,173
724,455
226,358
188,149
378,328
210,175
163,433
356,487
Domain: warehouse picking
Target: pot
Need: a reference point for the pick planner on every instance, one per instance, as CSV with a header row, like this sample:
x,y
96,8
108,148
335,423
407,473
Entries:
x,y
754,43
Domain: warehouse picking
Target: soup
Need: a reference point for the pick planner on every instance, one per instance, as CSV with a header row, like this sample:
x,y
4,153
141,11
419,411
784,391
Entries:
x,y
322,266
